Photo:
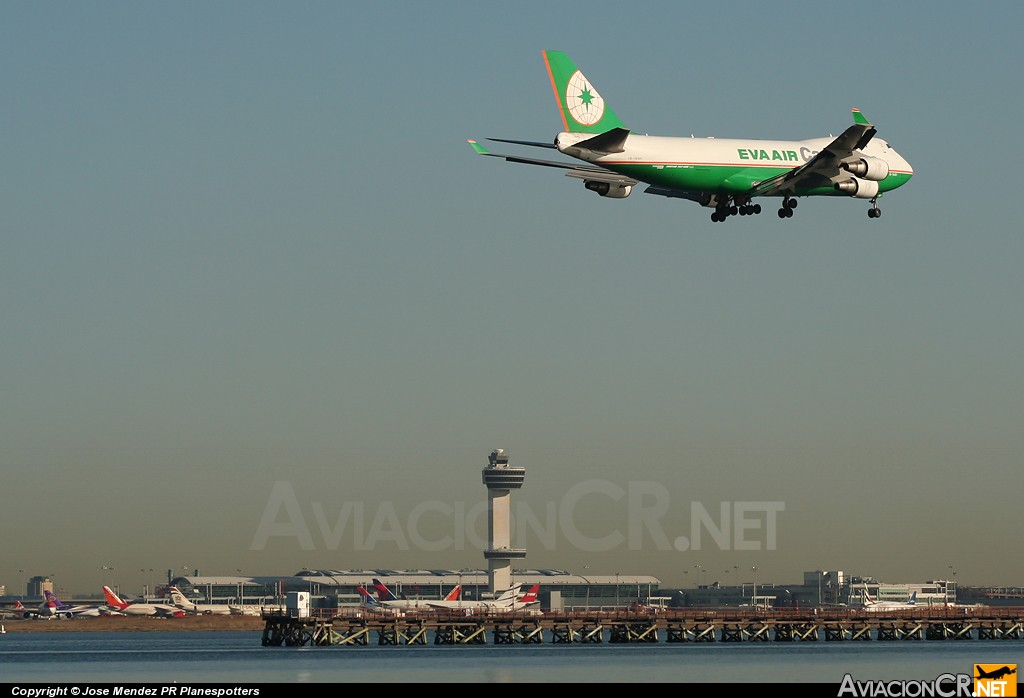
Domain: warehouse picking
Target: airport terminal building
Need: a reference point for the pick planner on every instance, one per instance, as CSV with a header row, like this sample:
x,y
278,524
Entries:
x,y
338,588
560,589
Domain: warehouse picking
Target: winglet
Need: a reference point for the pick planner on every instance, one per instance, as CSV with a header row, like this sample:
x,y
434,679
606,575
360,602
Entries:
x,y
477,147
859,118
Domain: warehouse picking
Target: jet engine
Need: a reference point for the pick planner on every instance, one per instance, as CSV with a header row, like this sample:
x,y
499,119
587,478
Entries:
x,y
859,188
868,168
608,189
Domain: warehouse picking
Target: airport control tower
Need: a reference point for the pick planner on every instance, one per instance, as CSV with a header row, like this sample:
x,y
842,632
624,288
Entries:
x,y
500,479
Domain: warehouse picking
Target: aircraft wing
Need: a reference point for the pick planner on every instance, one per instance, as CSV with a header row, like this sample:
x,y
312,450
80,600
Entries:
x,y
823,167
592,173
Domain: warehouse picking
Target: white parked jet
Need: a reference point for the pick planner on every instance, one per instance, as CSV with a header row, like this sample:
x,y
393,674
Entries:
x,y
872,604
725,174
204,609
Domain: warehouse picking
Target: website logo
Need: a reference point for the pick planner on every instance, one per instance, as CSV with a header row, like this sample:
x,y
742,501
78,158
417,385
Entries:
x,y
995,680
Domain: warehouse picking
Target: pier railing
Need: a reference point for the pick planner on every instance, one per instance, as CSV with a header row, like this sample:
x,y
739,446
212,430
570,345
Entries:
x,y
357,627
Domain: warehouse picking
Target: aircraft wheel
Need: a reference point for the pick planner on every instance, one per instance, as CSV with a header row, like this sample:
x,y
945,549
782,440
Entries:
x,y
793,203
757,209
783,212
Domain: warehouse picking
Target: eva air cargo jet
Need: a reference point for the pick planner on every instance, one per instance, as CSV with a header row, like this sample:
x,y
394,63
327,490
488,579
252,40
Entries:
x,y
725,174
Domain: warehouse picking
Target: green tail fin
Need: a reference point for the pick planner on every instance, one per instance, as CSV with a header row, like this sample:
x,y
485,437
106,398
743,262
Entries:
x,y
582,108
859,118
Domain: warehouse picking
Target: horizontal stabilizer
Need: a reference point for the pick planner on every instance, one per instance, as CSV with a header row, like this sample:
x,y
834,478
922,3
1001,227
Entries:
x,y
536,144
613,141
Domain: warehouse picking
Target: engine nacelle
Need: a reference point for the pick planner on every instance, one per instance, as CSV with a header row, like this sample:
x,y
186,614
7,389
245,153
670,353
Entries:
x,y
608,189
868,168
859,188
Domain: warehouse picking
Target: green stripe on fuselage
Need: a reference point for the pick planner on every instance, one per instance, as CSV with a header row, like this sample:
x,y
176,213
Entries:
x,y
729,179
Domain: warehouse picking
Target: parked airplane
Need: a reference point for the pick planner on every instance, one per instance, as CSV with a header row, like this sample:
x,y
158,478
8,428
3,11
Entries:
x,y
52,607
246,610
872,604
509,600
725,174
386,598
119,605
368,603
181,601
18,609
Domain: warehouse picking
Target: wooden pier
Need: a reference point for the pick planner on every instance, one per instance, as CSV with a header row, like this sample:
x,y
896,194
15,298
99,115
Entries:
x,y
672,626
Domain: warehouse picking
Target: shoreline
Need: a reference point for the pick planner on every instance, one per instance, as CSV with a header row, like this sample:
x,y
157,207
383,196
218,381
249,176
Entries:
x,y
134,624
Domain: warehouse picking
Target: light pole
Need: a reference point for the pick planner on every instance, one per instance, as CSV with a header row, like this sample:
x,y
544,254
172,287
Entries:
x,y
616,590
754,599
587,567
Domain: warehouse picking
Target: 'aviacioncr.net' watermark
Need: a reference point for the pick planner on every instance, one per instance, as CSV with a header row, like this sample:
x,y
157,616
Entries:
x,y
988,680
592,516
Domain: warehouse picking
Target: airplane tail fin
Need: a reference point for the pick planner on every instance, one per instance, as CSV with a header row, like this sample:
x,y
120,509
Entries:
x,y
365,596
53,602
531,595
510,594
582,108
19,606
453,595
383,593
113,600
179,599
913,599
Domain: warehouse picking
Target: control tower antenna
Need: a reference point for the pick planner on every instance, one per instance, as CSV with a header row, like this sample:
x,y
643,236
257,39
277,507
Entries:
x,y
500,479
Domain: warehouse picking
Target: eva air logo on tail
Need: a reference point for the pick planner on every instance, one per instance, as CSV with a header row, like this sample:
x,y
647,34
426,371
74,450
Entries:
x,y
584,103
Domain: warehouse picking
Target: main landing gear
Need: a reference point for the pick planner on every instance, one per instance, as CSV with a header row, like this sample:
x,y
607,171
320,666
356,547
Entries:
x,y
732,207
788,204
874,211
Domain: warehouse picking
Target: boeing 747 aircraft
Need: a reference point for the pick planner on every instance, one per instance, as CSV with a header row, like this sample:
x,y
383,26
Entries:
x,y
52,607
725,174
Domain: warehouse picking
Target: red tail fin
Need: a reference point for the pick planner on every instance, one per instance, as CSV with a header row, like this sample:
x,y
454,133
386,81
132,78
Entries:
x,y
453,595
113,600
531,595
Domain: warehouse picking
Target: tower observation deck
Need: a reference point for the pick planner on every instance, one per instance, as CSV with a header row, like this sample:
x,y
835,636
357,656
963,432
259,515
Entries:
x,y
500,478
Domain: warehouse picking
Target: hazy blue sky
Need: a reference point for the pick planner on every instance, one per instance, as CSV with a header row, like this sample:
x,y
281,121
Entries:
x,y
252,273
